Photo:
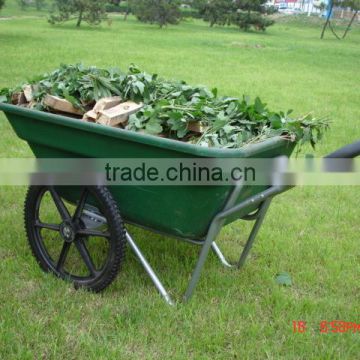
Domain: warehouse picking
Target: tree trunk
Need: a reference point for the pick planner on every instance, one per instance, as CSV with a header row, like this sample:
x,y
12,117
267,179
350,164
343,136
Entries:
x,y
79,18
351,22
327,19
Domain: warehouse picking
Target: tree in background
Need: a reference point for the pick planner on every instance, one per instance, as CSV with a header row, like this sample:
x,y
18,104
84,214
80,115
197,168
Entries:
x,y
91,11
219,12
161,12
250,13
242,13
23,4
39,4
2,2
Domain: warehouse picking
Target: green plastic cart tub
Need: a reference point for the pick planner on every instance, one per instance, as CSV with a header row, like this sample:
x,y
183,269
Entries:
x,y
182,211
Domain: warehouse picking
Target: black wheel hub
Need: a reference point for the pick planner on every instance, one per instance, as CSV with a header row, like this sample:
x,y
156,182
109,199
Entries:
x,y
67,232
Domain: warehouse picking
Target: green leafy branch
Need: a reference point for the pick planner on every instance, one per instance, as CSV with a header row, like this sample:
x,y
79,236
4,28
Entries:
x,y
175,109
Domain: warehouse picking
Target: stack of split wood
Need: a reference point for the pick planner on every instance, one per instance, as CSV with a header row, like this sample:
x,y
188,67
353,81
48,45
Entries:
x,y
24,97
109,111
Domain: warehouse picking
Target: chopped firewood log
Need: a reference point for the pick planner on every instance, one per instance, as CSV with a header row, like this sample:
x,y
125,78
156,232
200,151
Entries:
x,y
196,126
90,116
15,98
18,98
107,103
118,114
31,104
28,92
61,105
22,99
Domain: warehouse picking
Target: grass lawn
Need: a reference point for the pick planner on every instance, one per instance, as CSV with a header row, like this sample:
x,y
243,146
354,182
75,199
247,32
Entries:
x,y
312,233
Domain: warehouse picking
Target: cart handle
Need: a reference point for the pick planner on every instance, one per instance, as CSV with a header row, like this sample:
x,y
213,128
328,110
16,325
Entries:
x,y
346,152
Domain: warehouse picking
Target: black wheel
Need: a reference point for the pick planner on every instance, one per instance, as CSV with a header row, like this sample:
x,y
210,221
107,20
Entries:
x,y
83,243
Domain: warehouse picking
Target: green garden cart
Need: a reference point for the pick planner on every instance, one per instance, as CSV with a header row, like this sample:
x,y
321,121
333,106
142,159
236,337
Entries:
x,y
192,213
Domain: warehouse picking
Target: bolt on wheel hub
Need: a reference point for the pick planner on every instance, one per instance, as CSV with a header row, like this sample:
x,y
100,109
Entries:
x,y
67,232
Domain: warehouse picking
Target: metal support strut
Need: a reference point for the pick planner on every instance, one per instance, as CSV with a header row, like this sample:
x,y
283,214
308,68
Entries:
x,y
149,270
259,220
220,255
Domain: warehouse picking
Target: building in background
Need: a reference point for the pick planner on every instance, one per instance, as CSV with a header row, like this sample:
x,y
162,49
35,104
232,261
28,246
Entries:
x,y
308,6
314,7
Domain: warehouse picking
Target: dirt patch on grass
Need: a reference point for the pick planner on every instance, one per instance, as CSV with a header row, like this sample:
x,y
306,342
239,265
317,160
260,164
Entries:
x,y
247,46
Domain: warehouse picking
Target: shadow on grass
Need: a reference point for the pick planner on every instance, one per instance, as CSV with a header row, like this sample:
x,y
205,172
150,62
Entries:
x,y
83,28
14,38
184,26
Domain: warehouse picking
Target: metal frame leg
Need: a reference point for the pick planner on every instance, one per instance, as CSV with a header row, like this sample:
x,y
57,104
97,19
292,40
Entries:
x,y
149,270
254,231
213,232
260,218
210,238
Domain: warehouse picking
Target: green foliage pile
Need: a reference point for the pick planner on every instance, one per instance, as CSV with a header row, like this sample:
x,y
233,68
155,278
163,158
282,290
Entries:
x,y
174,109
161,12
91,11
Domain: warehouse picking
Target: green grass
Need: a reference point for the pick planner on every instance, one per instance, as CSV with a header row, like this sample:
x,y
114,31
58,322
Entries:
x,y
310,232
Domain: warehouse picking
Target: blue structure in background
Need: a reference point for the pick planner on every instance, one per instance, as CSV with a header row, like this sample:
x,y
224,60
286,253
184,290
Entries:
x,y
324,13
329,8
